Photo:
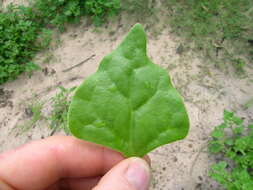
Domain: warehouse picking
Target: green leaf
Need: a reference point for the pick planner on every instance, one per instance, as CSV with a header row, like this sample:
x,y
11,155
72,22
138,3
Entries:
x,y
231,154
238,130
228,115
129,104
242,143
218,133
237,120
219,173
215,147
220,166
229,142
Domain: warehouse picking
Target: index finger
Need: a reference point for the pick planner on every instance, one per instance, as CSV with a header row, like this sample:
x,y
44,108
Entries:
x,y
42,163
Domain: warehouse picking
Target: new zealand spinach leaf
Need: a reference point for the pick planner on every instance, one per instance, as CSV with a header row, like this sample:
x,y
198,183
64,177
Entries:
x,y
129,104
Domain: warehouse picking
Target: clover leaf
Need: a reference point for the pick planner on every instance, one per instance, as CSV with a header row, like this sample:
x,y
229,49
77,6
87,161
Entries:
x,y
129,104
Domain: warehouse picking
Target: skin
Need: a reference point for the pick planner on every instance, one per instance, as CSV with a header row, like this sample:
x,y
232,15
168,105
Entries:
x,y
56,163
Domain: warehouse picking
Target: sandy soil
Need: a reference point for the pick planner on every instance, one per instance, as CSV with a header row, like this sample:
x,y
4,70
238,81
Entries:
x,y
207,92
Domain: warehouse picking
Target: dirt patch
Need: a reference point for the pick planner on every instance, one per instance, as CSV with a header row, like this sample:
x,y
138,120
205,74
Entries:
x,y
5,96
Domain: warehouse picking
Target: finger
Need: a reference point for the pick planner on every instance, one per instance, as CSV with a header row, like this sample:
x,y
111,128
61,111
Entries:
x,y
130,174
75,184
42,163
80,184
85,183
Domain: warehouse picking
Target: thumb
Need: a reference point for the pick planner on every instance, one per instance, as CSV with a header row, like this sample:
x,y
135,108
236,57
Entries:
x,y
129,174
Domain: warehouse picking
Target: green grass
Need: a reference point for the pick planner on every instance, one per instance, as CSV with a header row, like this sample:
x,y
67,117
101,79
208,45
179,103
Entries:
x,y
34,111
221,29
232,143
139,9
60,105
56,119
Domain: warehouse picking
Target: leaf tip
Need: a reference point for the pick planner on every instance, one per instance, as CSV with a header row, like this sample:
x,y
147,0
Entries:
x,y
135,39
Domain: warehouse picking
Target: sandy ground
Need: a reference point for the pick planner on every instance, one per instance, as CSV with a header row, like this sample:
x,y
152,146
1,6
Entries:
x,y
207,92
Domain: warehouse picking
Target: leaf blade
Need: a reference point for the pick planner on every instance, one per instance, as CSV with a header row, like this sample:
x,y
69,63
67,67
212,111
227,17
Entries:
x,y
129,104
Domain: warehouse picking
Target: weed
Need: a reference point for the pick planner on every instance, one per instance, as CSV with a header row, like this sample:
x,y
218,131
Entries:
x,y
57,12
248,104
137,6
101,8
34,111
60,105
140,10
18,42
49,56
60,12
232,141
57,118
239,64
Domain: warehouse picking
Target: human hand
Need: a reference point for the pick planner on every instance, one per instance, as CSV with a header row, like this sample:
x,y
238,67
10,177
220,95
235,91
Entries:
x,y
67,163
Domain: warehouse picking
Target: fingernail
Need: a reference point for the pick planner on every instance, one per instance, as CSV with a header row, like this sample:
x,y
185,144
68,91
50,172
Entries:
x,y
138,174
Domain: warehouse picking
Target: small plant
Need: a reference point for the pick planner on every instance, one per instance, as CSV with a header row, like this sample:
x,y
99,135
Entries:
x,y
248,104
129,104
100,9
19,42
232,141
60,12
60,105
24,30
57,118
239,65
138,7
33,110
